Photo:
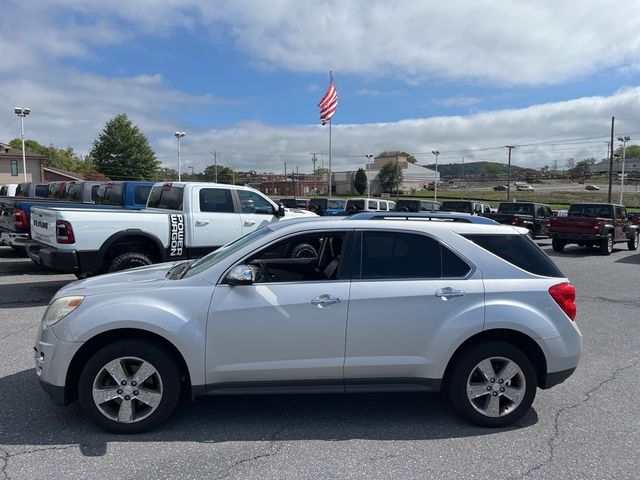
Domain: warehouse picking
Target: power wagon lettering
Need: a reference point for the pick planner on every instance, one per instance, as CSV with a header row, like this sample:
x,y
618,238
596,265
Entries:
x,y
177,235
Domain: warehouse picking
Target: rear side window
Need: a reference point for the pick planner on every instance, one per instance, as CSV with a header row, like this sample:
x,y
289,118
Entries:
x,y
167,197
405,255
518,250
94,192
112,195
216,200
41,190
141,194
74,192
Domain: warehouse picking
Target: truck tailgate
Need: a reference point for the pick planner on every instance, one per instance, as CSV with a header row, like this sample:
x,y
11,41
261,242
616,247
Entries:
x,y
575,224
43,226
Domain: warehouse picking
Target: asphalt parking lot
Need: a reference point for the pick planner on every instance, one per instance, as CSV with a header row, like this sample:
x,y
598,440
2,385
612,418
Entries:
x,y
587,427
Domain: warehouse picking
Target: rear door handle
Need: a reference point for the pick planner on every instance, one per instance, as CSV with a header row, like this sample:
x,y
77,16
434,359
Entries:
x,y
202,223
249,223
324,301
446,293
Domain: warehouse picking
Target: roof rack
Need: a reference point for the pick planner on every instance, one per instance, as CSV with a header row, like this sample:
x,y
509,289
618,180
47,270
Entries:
x,y
423,216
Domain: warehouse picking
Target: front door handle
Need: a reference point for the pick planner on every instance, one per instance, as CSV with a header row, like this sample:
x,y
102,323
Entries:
x,y
324,301
249,223
446,293
202,223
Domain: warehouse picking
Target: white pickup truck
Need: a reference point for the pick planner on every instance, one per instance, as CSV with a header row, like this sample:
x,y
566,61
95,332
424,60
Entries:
x,y
181,221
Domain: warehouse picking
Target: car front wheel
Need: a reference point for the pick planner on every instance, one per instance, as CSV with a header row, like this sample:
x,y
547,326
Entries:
x,y
129,386
492,384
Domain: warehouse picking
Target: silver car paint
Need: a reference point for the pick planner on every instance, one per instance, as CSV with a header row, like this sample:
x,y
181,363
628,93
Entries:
x,y
178,310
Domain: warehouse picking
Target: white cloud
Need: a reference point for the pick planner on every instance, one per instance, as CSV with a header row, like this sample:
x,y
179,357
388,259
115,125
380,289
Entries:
x,y
458,101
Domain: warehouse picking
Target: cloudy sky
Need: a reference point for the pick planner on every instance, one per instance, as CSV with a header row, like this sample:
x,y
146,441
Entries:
x,y
243,77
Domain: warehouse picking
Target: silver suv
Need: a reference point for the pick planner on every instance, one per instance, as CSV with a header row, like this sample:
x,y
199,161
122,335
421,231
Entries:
x,y
477,311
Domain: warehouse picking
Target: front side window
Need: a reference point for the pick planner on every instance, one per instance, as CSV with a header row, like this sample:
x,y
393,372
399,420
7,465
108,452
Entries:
x,y
251,202
402,255
216,200
309,257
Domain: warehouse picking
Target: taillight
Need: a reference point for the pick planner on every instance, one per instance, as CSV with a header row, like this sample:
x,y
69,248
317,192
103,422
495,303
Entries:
x,y
565,296
514,221
20,219
64,232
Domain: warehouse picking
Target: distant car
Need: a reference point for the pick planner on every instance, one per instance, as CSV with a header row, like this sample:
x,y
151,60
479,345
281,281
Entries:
x,y
303,203
592,188
525,188
500,188
328,207
415,205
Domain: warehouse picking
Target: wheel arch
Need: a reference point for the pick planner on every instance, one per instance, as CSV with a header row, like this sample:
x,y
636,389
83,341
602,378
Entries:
x,y
97,342
130,236
518,339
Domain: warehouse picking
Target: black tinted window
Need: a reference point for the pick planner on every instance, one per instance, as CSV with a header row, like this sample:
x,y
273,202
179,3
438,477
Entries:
x,y
74,192
519,250
167,196
590,210
216,200
399,255
111,195
453,265
41,190
464,207
94,192
140,194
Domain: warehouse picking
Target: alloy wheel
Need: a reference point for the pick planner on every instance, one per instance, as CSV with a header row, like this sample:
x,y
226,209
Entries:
x,y
496,387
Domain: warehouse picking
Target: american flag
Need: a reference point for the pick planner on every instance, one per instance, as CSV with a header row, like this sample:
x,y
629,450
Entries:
x,y
329,103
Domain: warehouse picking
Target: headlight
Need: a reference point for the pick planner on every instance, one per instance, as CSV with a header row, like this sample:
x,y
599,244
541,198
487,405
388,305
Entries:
x,y
60,309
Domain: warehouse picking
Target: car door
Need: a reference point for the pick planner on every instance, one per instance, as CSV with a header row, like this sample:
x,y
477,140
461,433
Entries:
x,y
256,210
410,300
214,221
288,327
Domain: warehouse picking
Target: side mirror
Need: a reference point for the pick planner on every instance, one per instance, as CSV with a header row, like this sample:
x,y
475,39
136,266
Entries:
x,y
240,275
280,211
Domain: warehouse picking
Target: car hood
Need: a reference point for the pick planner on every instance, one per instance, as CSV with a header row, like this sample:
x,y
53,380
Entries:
x,y
142,278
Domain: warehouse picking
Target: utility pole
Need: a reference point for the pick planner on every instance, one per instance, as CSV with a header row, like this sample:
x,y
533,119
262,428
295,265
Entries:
x,y
297,190
510,147
435,182
314,160
613,120
286,184
215,165
624,141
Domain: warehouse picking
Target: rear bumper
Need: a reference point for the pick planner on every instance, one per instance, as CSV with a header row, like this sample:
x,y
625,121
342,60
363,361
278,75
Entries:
x,y
65,261
578,237
16,240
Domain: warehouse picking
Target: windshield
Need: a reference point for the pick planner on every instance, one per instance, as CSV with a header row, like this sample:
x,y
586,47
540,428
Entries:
x,y
223,252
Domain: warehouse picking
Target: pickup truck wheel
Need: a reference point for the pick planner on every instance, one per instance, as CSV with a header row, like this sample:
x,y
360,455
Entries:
x,y
129,386
633,242
606,245
129,260
492,384
558,245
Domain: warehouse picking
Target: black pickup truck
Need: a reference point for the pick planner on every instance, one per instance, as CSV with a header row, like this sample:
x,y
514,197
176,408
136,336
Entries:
x,y
534,216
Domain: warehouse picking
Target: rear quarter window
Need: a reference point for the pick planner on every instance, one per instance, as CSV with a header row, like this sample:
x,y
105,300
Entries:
x,y
41,190
166,197
518,250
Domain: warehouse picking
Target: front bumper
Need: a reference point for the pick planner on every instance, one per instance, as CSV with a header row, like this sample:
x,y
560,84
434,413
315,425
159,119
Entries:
x,y
15,240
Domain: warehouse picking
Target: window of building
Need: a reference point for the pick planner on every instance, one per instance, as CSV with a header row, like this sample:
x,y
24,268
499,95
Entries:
x,y
14,168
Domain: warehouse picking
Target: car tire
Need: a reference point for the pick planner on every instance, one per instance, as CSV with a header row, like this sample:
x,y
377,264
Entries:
x,y
128,260
606,245
558,245
304,250
506,399
633,242
161,389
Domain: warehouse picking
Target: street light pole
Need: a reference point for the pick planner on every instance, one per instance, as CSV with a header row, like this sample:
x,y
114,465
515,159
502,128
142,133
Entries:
x,y
510,147
23,112
624,141
179,135
366,171
435,182
192,173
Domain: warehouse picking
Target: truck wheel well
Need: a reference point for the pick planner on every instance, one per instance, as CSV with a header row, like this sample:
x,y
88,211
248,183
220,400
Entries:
x,y
515,338
133,243
91,346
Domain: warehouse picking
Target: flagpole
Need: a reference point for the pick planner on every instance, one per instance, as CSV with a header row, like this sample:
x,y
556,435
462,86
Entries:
x,y
329,158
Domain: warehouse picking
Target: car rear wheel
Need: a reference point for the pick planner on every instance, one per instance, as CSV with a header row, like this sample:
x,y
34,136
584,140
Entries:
x,y
633,242
129,387
558,245
492,384
606,245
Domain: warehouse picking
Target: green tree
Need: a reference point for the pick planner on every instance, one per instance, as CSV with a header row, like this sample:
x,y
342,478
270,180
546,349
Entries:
x,y
360,181
490,170
62,158
390,177
321,171
396,153
122,151
225,174
632,151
